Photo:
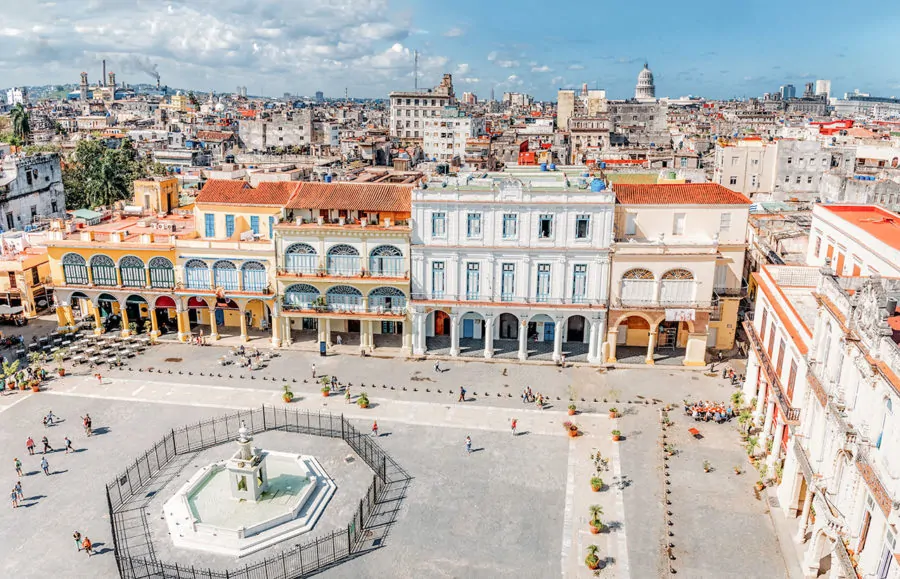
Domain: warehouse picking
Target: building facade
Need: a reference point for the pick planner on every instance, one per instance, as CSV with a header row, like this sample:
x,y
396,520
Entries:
x,y
289,129
410,108
510,267
31,189
445,136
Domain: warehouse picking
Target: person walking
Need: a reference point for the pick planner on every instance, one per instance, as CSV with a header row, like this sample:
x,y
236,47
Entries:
x,y
50,418
462,394
86,420
515,423
45,466
19,492
68,445
18,464
347,394
87,546
14,498
46,444
77,536
29,444
437,367
375,429
314,370
468,445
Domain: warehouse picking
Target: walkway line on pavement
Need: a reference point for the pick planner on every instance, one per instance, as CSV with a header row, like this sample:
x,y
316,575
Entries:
x,y
569,510
26,397
138,391
129,399
622,551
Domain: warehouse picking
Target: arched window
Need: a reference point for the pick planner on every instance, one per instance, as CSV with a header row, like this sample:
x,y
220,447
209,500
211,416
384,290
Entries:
x,y
103,270
343,260
132,269
638,273
677,288
254,277
344,297
196,274
300,295
225,275
387,298
678,274
301,258
74,269
638,287
162,274
386,261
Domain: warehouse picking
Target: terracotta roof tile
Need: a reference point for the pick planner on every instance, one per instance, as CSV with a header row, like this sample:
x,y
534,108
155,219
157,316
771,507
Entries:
x,y
353,196
214,135
678,194
229,192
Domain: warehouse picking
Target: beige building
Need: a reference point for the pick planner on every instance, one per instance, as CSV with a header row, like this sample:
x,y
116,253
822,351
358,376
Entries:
x,y
572,104
676,277
23,271
157,194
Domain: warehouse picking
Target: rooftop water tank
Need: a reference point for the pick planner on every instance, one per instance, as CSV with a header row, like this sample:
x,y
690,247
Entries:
x,y
603,165
553,166
543,166
328,177
597,185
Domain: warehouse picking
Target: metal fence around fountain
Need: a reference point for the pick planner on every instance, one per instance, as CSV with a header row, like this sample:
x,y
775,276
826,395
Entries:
x,y
134,488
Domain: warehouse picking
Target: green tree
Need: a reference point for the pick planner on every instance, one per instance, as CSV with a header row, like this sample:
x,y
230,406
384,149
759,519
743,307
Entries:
x,y
20,123
96,175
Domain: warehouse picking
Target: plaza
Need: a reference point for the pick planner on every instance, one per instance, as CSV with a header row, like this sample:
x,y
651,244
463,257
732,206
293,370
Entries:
x,y
514,507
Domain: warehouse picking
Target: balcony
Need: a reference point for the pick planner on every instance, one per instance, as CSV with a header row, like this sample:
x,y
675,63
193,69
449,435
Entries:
x,y
380,266
318,303
301,264
343,266
539,300
649,293
791,414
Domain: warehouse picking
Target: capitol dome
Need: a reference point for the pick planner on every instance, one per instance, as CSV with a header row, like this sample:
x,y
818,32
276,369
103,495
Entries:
x,y
645,88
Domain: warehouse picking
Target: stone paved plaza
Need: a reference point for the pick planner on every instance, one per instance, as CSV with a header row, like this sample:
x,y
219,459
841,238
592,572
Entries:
x,y
517,507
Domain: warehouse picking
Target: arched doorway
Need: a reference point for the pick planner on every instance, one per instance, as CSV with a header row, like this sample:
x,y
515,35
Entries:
x,y
227,317
471,334
198,313
576,339
441,323
259,320
508,327
576,329
108,307
138,313
81,305
437,332
632,339
166,315
302,297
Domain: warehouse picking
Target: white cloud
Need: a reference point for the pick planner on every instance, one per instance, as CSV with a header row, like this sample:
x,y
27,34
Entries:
x,y
514,80
557,80
576,67
470,80
543,68
508,63
461,69
492,56
454,32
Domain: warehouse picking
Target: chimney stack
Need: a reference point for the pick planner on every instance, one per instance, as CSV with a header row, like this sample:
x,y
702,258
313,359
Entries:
x,y
103,77
112,79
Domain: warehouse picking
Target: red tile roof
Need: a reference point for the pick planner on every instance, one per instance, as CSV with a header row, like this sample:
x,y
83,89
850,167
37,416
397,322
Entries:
x,y
353,196
215,136
678,194
226,192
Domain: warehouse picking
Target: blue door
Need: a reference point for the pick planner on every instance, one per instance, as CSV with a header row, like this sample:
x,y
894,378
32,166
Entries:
x,y
220,317
468,328
548,331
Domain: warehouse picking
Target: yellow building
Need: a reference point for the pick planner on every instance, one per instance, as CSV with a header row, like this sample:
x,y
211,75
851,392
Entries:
x,y
157,195
23,272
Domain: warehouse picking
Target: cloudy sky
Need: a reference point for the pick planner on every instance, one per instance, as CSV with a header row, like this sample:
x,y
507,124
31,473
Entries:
x,y
366,46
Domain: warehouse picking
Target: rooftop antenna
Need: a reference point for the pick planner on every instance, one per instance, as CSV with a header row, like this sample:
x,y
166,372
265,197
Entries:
x,y
346,94
416,69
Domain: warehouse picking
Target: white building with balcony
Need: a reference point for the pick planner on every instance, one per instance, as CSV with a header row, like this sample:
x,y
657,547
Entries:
x,y
676,272
511,266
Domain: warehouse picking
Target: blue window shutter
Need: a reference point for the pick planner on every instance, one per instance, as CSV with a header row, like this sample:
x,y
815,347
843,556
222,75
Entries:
x,y
254,224
229,225
271,226
210,225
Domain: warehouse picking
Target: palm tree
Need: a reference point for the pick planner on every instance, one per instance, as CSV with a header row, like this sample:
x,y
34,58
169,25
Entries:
x,y
9,369
595,511
746,419
20,123
111,185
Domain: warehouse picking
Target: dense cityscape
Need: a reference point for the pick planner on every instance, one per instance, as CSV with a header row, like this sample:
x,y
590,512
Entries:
x,y
684,310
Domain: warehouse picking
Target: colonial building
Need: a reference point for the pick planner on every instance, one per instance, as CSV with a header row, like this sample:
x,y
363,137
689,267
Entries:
x,y
31,188
511,265
855,240
676,271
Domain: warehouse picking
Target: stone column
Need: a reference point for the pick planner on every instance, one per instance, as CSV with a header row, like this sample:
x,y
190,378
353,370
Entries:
x,y
489,335
123,311
767,421
184,324
147,277
810,564
320,331
328,333
612,337
154,323
98,325
407,337
118,276
651,344
804,516
775,455
245,336
276,329
523,340
213,327
90,275
557,340
594,354
751,378
760,400
64,315
454,334
419,319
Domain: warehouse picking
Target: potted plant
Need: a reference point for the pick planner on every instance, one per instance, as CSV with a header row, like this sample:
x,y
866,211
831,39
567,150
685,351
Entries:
x,y
596,523
745,419
571,428
752,443
571,410
59,357
616,435
613,412
706,466
737,470
596,483
763,470
326,390
760,485
288,395
9,370
592,560
132,328
737,399
363,400
670,449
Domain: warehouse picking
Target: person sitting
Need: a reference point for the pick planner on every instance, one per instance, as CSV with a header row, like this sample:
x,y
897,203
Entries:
x,y
694,414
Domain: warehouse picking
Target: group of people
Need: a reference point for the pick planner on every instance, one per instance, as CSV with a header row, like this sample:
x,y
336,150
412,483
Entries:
x,y
706,410
529,397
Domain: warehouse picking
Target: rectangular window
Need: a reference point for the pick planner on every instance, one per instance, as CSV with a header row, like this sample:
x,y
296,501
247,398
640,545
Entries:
x,y
510,225
732,180
473,225
473,280
543,282
809,179
630,223
725,222
254,224
798,179
210,220
545,226
778,366
787,178
53,207
437,279
12,280
271,225
35,276
683,161
582,226
229,225
792,380
818,246
508,282
771,346
790,160
678,226
439,224
579,283
762,327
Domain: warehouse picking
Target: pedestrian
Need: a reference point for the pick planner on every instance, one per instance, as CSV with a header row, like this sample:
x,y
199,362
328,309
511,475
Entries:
x,y
333,382
375,429
340,340
19,490
18,464
50,418
314,370
14,499
347,394
437,367
46,444
87,424
524,396
44,421
45,466
29,444
562,360
77,536
468,445
514,424
462,394
68,445
86,545
530,395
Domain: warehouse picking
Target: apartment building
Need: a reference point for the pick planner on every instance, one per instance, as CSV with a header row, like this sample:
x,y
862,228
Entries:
x,y
676,279
855,240
409,109
445,136
512,266
779,170
292,128
31,188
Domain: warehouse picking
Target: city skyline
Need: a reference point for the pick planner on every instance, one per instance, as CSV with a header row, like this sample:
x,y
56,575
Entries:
x,y
368,49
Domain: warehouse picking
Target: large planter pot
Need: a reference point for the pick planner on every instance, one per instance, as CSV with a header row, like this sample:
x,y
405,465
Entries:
x,y
596,488
573,433
595,530
61,371
23,386
363,404
593,565
325,394
613,415
616,438
760,486
287,398
35,388
571,412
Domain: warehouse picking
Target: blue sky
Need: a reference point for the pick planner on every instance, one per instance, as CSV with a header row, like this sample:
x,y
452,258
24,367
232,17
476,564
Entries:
x,y
714,49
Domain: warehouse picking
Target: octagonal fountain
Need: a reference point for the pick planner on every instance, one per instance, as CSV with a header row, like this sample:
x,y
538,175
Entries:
x,y
248,502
